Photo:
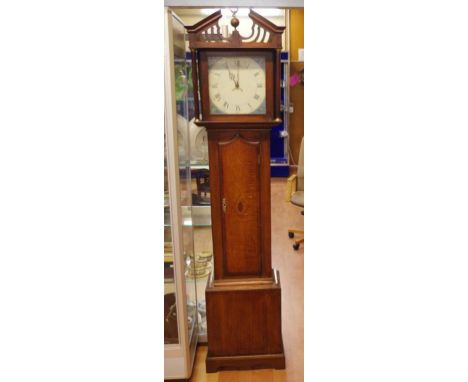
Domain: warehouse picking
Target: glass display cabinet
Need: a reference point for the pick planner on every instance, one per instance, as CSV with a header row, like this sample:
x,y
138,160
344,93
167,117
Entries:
x,y
181,316
201,209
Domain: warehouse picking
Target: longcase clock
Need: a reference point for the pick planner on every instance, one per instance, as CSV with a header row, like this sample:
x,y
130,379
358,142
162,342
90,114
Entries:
x,y
236,83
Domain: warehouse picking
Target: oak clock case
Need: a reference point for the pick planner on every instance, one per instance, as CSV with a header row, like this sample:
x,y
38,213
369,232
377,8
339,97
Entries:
x,y
237,79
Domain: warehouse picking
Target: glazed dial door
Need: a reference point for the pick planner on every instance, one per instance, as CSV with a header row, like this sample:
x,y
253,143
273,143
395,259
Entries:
x,y
237,84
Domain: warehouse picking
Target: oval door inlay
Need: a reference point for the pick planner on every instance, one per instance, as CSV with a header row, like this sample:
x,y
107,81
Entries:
x,y
240,206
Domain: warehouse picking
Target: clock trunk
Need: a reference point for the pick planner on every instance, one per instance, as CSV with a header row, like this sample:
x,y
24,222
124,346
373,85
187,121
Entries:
x,y
240,189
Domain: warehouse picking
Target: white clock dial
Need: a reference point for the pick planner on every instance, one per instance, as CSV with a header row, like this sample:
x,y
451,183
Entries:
x,y
237,84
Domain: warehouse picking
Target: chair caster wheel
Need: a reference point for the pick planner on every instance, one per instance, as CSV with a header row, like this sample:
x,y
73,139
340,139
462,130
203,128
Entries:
x,y
296,246
291,235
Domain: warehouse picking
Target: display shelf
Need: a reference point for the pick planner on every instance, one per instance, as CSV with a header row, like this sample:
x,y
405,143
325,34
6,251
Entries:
x,y
199,166
192,216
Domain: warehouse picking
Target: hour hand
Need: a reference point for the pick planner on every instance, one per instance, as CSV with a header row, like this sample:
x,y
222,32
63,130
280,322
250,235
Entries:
x,y
232,77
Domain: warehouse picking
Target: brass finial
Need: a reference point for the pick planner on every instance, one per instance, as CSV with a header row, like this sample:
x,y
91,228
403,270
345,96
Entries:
x,y
234,21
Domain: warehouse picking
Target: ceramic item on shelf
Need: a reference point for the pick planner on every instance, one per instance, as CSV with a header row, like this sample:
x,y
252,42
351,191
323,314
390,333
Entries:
x,y
198,143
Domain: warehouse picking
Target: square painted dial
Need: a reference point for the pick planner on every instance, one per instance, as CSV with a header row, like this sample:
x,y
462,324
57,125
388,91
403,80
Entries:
x,y
237,84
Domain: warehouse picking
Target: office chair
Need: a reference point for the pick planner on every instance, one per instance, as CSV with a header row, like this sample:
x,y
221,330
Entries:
x,y
295,194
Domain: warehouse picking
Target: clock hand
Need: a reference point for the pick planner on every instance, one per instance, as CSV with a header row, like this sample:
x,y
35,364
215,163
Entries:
x,y
237,83
231,75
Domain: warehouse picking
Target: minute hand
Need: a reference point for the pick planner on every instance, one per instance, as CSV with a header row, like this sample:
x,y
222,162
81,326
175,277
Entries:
x,y
231,75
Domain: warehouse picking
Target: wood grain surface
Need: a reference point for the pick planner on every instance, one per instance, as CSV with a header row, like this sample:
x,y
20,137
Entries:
x,y
240,179
241,194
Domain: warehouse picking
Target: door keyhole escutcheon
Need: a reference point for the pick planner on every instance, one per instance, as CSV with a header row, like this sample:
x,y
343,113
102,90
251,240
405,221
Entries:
x,y
224,205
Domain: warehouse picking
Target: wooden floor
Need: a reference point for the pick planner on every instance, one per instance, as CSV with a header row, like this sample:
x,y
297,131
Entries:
x,y
291,266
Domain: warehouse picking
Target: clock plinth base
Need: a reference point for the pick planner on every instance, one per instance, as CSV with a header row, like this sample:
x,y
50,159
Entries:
x,y
247,362
244,324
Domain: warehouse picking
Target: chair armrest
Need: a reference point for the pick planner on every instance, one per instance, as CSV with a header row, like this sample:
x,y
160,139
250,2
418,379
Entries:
x,y
291,186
